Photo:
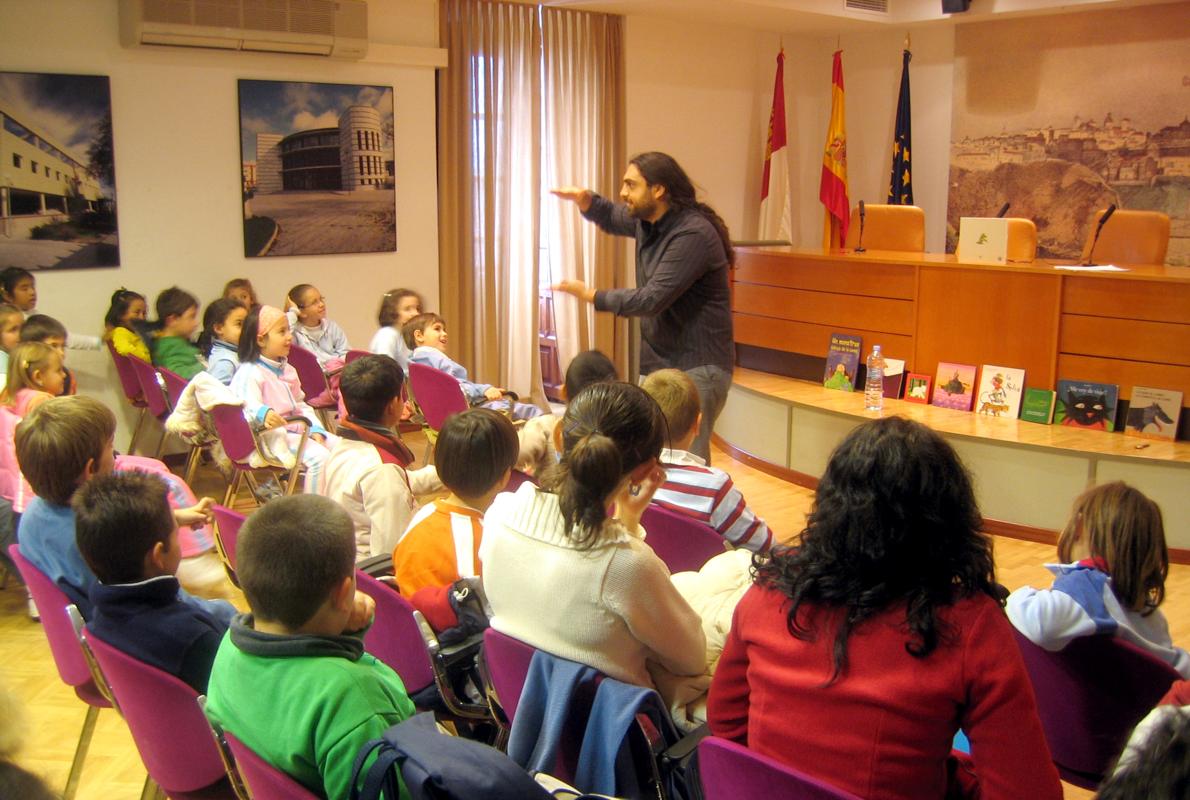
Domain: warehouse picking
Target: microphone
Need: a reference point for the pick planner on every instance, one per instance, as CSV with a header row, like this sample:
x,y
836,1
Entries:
x,y
1102,221
1003,210
859,247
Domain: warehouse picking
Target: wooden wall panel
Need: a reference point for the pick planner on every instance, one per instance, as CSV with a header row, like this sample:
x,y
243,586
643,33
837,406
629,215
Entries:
x,y
811,339
1125,374
1159,301
827,275
843,312
988,317
1134,340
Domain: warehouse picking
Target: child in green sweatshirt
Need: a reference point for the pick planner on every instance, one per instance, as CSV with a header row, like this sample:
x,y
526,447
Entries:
x,y
177,318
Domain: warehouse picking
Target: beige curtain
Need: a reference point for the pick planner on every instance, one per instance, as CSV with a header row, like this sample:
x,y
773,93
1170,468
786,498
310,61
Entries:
x,y
489,190
584,146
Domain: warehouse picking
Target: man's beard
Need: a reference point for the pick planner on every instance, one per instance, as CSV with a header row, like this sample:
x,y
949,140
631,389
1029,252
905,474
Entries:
x,y
643,210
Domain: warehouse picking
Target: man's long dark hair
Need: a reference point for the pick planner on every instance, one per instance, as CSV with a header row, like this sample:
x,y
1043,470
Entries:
x,y
894,522
660,169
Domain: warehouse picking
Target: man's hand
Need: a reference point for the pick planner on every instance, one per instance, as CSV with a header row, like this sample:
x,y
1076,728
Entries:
x,y
198,514
362,611
494,393
575,194
577,288
273,420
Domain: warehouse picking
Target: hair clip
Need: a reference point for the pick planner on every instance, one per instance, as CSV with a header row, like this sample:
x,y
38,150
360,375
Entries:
x,y
634,489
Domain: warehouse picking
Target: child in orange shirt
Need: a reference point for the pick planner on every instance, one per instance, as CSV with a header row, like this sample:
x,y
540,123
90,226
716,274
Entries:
x,y
474,454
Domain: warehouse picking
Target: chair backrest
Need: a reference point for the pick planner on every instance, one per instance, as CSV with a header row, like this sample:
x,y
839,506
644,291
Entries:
x,y
265,781
227,529
234,433
1129,237
352,355
439,395
507,664
151,387
1090,695
681,542
170,732
129,383
516,478
1022,239
51,603
309,371
897,228
395,637
175,384
730,771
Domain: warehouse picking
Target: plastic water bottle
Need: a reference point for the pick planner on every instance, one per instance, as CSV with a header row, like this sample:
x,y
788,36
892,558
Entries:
x,y
874,383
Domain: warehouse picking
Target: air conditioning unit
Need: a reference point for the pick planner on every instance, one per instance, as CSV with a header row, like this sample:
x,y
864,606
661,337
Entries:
x,y
336,28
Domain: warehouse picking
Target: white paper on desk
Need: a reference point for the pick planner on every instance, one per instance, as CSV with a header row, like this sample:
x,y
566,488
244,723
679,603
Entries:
x,y
1095,268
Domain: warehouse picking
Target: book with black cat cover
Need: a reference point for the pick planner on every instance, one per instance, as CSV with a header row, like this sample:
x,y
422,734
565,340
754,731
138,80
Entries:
x,y
1086,404
842,361
1153,413
1038,406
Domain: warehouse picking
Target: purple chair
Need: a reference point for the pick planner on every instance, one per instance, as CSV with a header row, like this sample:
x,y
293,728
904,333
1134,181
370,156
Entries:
x,y
227,531
319,394
684,544
170,732
730,771
68,656
1090,695
153,390
239,443
516,478
132,391
402,639
352,355
264,781
505,665
174,384
438,395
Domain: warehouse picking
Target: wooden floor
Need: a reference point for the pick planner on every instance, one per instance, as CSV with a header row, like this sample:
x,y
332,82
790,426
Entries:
x,y
113,770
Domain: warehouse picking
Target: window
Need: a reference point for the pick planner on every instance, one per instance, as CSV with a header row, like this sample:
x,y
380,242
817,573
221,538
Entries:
x,y
47,172
16,160
33,167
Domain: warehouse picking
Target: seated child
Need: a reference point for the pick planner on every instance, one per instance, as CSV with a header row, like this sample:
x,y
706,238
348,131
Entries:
x,y
291,680
475,453
11,320
49,331
270,389
306,308
1112,578
220,338
35,374
366,474
537,435
396,308
241,289
425,335
19,287
177,320
691,487
129,538
60,445
124,315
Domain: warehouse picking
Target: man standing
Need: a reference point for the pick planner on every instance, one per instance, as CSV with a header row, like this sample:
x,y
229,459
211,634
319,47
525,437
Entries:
x,y
683,252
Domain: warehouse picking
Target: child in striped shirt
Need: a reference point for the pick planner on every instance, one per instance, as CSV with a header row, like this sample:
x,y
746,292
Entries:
x,y
691,486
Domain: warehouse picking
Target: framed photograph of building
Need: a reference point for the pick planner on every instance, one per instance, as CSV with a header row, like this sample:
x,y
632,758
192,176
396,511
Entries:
x,y
57,172
317,168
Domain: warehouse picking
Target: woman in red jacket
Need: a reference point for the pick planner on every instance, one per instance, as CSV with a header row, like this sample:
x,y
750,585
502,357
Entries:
x,y
858,654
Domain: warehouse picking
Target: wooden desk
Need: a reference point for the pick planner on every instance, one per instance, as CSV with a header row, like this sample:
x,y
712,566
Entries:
x,y
1127,328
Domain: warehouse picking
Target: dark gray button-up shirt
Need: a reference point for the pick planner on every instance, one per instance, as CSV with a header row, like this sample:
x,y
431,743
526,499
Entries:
x,y
682,294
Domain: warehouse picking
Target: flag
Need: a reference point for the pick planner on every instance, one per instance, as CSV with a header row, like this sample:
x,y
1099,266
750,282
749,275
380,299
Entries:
x,y
776,203
832,190
900,183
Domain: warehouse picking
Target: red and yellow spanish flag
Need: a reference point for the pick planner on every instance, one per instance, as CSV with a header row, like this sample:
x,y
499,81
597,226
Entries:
x,y
832,190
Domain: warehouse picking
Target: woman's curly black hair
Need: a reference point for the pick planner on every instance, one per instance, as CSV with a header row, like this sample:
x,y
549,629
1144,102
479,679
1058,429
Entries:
x,y
894,522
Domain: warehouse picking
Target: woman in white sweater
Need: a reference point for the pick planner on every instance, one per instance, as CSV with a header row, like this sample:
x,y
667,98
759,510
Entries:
x,y
563,576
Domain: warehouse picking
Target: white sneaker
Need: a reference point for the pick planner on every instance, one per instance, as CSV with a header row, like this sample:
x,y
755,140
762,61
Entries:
x,y
33,612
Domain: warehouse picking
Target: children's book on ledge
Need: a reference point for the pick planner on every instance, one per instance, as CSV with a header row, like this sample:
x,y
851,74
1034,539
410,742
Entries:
x,y
1153,413
1038,405
1000,390
1086,404
954,386
917,388
842,361
894,377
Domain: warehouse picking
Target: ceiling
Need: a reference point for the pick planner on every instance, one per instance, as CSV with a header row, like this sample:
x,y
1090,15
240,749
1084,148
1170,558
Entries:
x,y
830,17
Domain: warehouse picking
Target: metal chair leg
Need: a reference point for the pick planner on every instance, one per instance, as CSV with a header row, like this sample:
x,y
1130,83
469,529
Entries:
x,y
192,463
233,486
80,753
151,791
136,431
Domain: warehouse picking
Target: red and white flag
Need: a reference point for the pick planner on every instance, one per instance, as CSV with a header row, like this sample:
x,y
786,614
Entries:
x,y
776,202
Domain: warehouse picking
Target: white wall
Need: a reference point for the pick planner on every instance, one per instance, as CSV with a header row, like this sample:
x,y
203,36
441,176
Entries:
x,y
175,126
